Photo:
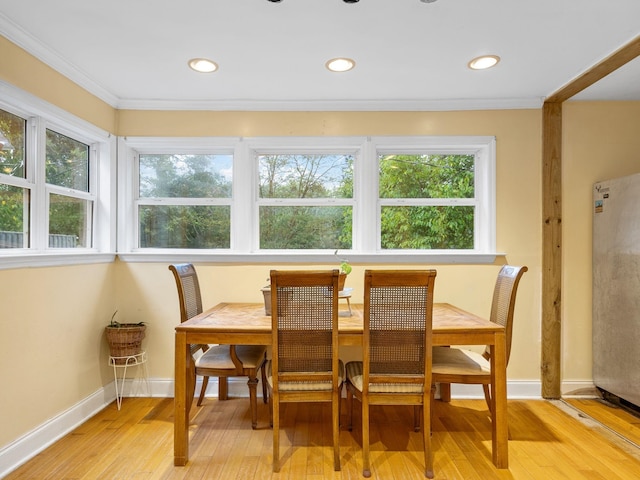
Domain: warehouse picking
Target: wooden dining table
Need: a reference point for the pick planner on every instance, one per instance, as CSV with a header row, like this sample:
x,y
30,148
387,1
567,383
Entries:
x,y
246,323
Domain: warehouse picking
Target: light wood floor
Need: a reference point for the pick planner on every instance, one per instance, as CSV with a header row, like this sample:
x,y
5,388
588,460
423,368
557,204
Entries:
x,y
549,440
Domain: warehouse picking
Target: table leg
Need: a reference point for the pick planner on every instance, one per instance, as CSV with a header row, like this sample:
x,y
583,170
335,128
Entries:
x,y
500,428
181,403
445,392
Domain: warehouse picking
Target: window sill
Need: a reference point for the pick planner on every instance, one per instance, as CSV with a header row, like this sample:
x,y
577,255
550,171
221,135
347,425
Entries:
x,y
31,260
312,258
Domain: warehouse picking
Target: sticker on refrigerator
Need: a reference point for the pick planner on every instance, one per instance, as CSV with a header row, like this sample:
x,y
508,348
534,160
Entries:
x,y
599,206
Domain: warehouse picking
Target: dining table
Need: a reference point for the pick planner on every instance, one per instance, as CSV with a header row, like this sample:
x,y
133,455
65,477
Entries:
x,y
247,323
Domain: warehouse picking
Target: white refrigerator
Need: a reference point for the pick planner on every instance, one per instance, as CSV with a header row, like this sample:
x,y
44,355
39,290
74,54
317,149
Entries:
x,y
616,287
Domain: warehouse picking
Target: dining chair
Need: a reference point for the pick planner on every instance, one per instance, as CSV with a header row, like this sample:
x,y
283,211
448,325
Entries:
x,y
304,365
396,366
220,361
465,366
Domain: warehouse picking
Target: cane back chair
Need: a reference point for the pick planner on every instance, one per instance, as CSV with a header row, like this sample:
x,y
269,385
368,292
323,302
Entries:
x,y
305,366
220,361
459,365
396,366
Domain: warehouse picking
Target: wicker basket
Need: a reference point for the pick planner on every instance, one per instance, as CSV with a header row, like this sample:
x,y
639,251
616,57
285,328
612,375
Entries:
x,y
341,279
125,340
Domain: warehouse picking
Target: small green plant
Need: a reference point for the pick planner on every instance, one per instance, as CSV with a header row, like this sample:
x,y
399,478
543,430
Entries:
x,y
115,324
345,267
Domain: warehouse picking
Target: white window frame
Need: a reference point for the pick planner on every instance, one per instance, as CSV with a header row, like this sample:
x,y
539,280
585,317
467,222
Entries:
x,y
482,148
89,196
40,116
129,150
190,201
300,145
366,204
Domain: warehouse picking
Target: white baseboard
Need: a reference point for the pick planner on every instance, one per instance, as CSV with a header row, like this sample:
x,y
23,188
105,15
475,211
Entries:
x,y
515,389
579,388
32,443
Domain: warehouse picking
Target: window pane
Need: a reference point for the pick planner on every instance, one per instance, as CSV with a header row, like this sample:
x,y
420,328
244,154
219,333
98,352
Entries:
x,y
14,217
185,176
301,227
67,163
306,176
419,227
426,176
68,221
12,156
177,226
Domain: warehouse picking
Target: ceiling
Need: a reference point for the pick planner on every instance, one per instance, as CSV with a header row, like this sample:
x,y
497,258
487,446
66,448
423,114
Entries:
x,y
409,55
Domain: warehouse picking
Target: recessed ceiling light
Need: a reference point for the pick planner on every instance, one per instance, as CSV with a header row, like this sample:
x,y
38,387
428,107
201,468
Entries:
x,y
203,65
340,64
485,61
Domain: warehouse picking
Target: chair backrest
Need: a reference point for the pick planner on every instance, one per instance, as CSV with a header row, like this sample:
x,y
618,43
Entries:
x,y
304,315
398,311
504,301
188,290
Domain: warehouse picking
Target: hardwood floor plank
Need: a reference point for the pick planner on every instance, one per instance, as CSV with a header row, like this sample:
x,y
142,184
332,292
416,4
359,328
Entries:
x,y
136,443
620,420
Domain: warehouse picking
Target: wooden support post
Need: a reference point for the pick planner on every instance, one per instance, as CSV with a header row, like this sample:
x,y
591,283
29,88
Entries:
x,y
551,249
552,213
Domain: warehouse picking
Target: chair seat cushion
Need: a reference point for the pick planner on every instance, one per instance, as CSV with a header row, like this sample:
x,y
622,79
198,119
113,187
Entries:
x,y
354,376
304,386
458,361
218,357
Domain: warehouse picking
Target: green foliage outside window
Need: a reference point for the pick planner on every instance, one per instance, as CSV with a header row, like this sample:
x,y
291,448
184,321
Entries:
x,y
184,226
67,162
305,182
67,165
187,177
68,219
12,160
13,200
424,227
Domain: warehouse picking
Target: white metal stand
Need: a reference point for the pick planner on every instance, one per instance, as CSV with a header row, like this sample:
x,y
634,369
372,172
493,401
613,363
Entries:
x,y
346,294
125,362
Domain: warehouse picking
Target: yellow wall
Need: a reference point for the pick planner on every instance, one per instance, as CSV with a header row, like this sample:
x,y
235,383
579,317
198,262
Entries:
x,y
72,304
19,68
515,125
52,351
43,377
600,141
518,134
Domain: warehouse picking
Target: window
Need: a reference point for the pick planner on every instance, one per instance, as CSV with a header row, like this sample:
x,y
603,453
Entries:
x,y
427,201
305,201
70,201
55,185
296,199
14,188
185,201
435,194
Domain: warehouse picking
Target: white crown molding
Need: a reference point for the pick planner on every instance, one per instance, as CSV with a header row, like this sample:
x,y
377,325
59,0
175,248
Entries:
x,y
335,105
53,59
